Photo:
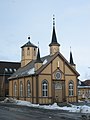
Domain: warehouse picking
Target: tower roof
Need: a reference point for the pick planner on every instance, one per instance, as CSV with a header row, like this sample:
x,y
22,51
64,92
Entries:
x,y
54,38
38,60
29,44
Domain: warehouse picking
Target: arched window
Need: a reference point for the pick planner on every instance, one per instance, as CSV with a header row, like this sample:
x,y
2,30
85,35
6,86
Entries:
x,y
44,88
71,88
28,51
15,89
28,89
21,89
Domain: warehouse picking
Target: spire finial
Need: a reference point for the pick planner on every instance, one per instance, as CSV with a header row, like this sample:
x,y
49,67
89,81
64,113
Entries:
x,y
28,38
70,48
53,20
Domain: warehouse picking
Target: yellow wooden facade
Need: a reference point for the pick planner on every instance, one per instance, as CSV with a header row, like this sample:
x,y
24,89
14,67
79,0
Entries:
x,y
57,72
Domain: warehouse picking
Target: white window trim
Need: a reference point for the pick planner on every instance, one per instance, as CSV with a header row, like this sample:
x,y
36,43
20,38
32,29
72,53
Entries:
x,y
45,88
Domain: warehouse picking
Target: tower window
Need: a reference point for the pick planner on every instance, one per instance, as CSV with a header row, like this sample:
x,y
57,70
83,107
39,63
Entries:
x,y
28,51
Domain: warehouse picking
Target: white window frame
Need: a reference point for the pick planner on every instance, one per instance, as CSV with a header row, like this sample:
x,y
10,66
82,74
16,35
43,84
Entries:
x,y
21,89
28,89
45,88
15,89
71,88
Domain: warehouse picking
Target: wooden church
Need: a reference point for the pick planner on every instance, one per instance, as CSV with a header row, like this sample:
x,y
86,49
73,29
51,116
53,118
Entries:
x,y
44,80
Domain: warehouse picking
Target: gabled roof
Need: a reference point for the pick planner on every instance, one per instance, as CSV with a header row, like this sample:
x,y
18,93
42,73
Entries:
x,y
8,67
63,58
29,69
84,83
87,82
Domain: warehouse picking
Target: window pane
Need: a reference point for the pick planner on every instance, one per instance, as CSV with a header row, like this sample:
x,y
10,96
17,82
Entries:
x,y
21,89
28,89
71,89
44,88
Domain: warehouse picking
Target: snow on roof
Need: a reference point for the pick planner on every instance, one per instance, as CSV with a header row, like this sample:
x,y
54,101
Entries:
x,y
45,61
31,71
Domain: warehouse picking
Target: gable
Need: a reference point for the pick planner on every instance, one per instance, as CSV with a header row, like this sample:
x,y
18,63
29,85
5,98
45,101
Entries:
x,y
68,71
58,61
47,70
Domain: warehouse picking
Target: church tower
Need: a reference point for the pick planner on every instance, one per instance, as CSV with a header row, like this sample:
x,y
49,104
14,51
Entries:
x,y
29,53
54,45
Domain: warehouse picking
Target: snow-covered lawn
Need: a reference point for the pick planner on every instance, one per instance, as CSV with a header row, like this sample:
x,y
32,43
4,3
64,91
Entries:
x,y
73,108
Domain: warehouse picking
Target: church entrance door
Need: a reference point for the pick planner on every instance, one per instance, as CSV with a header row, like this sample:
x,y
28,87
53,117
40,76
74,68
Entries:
x,y
59,91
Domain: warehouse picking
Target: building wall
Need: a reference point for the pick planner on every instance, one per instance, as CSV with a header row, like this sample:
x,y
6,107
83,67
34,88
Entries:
x,y
54,49
43,100
28,55
48,74
83,93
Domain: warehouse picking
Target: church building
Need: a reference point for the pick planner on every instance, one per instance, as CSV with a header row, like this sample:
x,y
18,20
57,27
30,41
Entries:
x,y
44,80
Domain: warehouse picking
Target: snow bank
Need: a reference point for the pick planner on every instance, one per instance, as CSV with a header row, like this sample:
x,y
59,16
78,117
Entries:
x,y
73,108
9,100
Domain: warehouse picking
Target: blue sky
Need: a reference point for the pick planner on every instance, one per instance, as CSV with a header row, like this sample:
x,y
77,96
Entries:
x,y
21,18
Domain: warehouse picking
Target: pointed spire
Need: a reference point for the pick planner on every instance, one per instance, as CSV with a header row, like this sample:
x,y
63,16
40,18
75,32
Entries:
x,y
54,38
38,60
71,58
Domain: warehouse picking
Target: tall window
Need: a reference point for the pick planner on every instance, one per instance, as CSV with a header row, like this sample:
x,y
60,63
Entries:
x,y
21,89
71,88
44,88
28,89
28,51
15,89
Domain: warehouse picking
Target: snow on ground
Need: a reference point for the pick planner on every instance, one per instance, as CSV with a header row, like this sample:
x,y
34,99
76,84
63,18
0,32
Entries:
x,y
73,108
